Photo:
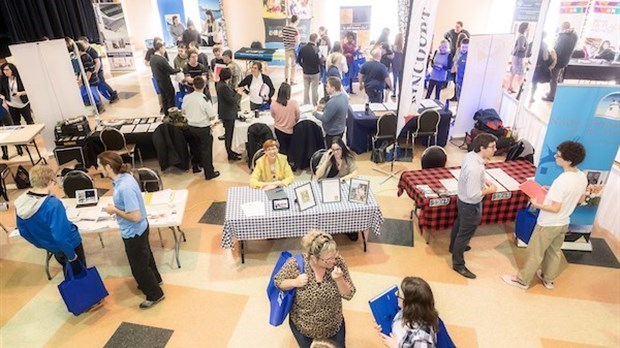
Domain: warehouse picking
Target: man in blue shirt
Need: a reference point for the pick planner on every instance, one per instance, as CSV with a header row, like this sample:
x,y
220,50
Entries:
x,y
130,214
333,114
461,63
374,77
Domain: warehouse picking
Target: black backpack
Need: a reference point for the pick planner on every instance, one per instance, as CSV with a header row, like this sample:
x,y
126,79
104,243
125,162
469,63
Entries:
x,y
21,178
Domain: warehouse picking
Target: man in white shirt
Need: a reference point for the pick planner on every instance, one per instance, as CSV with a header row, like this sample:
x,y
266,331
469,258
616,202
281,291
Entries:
x,y
566,192
471,190
199,113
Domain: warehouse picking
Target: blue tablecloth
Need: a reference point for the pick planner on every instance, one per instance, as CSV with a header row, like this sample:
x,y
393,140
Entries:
x,y
361,128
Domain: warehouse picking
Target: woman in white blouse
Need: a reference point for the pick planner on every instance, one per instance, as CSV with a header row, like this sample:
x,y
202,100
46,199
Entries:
x,y
258,86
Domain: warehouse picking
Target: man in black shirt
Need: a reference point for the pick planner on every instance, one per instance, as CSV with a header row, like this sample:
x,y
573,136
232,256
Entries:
x,y
108,92
89,69
217,53
310,62
151,51
453,34
162,70
193,69
191,34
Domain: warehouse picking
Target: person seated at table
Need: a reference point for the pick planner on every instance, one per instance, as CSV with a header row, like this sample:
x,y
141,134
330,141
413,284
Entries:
x,y
417,323
285,113
337,162
42,220
271,170
258,86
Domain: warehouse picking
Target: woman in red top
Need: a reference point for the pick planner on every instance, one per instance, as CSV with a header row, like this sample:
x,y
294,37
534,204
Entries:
x,y
349,46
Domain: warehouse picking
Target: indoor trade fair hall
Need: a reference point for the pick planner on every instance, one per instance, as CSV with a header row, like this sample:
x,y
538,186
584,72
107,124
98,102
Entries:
x,y
310,173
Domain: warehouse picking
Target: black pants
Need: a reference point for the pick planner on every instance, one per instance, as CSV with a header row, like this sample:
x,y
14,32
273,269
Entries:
x,y
254,106
75,265
229,126
111,93
202,148
329,139
143,266
556,72
18,113
374,95
437,85
285,141
167,95
467,221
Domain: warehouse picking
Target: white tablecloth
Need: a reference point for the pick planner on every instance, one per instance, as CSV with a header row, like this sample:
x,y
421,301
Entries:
x,y
341,217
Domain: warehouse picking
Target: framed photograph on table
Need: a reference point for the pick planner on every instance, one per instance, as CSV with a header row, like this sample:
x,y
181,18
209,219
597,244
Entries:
x,y
358,191
305,197
330,190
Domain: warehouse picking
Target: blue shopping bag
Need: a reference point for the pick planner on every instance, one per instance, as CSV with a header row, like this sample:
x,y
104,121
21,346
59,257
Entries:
x,y
281,301
82,291
443,338
525,223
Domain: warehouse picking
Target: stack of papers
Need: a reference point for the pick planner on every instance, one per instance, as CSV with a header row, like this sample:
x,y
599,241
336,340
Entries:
x,y
429,104
160,197
390,106
252,209
427,191
377,107
127,128
451,185
492,180
306,108
142,128
358,107
503,178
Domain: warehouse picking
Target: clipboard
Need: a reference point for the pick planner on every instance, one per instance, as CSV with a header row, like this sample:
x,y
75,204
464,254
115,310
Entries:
x,y
384,308
534,190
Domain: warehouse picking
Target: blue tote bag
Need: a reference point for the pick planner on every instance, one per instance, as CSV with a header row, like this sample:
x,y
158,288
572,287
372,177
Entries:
x,y
281,301
82,291
525,223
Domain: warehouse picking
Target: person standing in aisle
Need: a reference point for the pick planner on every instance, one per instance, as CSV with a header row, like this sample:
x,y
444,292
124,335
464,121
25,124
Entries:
x,y
290,37
130,214
199,112
13,91
564,46
106,90
227,109
162,70
544,251
310,61
471,190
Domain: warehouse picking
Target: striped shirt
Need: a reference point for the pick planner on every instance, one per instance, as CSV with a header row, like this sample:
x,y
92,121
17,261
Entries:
x,y
471,179
289,37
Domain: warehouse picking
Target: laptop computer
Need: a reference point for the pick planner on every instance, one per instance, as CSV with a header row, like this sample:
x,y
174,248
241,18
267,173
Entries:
x,y
86,198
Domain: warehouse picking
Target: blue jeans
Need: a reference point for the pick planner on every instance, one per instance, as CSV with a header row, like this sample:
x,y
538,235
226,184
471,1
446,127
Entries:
x,y
305,341
467,221
397,77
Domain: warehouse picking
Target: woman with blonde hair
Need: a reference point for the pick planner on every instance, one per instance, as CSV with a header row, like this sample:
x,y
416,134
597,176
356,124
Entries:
x,y
271,170
317,308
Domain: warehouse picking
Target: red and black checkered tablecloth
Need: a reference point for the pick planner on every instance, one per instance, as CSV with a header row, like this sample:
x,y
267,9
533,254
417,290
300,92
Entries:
x,y
442,217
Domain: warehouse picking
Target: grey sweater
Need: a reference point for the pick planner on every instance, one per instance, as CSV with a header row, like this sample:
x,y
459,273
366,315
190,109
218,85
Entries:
x,y
334,116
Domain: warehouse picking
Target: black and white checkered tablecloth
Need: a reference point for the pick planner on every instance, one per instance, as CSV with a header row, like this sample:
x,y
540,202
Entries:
x,y
342,217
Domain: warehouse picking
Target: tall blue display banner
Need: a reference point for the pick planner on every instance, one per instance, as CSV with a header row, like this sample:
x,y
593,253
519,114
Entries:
x,y
591,116
168,9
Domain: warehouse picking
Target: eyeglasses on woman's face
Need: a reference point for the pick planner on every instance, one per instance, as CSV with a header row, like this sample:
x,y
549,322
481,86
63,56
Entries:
x,y
330,259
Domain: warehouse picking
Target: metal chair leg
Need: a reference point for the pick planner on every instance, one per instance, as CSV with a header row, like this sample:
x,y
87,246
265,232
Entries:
x,y
160,239
48,256
101,240
140,157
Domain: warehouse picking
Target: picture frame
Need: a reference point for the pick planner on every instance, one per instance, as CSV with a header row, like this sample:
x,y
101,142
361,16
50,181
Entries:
x,y
359,190
305,197
330,190
280,204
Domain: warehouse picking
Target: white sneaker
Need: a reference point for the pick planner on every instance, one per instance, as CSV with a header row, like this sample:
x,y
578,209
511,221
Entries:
x,y
547,284
512,280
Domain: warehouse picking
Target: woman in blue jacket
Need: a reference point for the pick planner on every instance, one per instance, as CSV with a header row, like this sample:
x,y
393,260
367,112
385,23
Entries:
x,y
42,220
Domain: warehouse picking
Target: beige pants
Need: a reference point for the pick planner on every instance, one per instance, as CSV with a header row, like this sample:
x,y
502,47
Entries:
x,y
545,252
289,64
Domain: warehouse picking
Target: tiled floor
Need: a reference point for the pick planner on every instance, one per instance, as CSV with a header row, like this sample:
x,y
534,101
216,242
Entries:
x,y
215,301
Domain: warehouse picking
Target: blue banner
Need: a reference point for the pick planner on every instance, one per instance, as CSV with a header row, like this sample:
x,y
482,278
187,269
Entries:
x,y
591,116
168,9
